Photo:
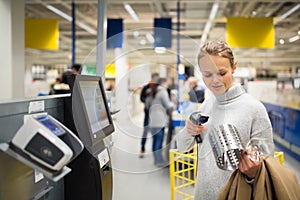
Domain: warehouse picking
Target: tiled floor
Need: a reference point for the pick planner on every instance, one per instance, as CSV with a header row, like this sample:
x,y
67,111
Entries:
x,y
137,178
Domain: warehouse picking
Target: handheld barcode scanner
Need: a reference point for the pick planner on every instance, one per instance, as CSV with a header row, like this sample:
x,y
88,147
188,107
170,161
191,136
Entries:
x,y
198,118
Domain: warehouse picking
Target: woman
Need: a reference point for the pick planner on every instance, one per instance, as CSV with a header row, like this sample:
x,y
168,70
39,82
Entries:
x,y
229,104
159,103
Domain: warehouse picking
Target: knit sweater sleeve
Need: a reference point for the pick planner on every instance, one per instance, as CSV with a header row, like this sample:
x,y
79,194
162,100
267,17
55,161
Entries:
x,y
261,128
184,141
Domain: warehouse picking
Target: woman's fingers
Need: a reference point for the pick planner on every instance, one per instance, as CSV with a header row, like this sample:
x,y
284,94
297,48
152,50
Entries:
x,y
247,166
193,129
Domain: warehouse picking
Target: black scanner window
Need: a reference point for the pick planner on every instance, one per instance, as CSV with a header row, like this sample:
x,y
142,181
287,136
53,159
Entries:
x,y
41,148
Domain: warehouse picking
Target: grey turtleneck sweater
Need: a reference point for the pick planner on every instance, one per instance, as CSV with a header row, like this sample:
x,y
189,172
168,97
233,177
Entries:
x,y
234,107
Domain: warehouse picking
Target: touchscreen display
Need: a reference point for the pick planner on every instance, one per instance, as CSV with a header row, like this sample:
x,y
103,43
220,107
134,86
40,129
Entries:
x,y
95,105
51,125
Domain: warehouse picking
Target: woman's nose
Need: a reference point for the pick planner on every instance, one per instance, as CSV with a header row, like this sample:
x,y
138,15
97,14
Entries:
x,y
216,77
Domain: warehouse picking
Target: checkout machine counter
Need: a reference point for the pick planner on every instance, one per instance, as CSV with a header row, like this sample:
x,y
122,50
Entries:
x,y
43,158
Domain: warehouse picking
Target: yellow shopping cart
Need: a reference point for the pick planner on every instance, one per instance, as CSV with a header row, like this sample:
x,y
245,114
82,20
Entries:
x,y
183,173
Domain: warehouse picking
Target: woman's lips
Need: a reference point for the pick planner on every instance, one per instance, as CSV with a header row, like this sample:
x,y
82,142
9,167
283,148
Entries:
x,y
217,87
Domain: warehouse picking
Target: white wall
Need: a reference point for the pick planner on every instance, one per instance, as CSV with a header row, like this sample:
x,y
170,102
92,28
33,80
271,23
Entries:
x,y
12,49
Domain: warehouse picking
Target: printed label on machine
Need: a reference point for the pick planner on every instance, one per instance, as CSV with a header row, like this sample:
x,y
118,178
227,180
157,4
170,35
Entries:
x,y
38,176
103,158
36,106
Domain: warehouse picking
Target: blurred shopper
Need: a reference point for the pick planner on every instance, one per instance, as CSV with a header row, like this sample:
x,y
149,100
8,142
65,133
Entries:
x,y
159,104
196,93
171,83
54,85
146,90
69,77
228,104
76,68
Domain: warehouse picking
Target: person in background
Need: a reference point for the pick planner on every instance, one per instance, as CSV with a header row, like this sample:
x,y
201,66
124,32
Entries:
x,y
57,82
69,77
159,104
196,93
146,90
171,83
229,104
76,68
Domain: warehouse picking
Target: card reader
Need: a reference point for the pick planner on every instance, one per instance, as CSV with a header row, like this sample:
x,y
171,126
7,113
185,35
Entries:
x,y
42,139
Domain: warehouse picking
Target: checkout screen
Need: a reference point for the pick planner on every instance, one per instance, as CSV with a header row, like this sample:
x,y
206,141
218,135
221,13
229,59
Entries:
x,y
94,104
51,125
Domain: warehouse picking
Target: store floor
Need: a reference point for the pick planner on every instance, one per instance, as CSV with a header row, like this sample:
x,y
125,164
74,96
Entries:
x,y
138,178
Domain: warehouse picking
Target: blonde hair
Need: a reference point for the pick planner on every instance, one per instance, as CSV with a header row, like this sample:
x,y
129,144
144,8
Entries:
x,y
217,48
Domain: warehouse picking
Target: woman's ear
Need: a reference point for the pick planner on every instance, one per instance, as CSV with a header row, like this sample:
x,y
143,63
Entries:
x,y
234,66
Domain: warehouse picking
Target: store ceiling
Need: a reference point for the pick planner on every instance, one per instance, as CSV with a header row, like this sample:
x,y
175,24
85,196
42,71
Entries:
x,y
194,15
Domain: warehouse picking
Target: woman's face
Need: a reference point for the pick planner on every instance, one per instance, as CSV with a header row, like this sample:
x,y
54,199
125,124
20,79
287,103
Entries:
x,y
217,73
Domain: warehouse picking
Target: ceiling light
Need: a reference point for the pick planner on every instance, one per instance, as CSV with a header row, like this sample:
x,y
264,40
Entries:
x,y
129,9
60,13
160,50
281,41
172,13
142,42
87,28
298,32
214,11
136,33
295,38
289,12
150,38
69,18
208,25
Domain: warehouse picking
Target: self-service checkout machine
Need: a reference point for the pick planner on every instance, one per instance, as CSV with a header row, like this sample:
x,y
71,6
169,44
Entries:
x,y
91,175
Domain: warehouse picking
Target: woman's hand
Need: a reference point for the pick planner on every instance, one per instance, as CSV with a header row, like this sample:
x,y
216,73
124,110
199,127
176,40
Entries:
x,y
193,129
248,166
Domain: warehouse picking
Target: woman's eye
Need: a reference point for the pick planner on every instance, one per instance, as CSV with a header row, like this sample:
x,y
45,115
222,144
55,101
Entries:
x,y
223,73
207,75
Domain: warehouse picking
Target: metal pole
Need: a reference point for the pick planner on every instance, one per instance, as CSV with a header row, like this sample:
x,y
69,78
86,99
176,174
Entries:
x,y
101,38
178,47
178,33
73,33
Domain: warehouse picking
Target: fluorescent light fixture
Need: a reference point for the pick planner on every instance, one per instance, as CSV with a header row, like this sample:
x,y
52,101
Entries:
x,y
289,12
172,13
208,25
132,13
69,18
150,38
60,13
160,50
203,38
295,38
213,12
87,28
